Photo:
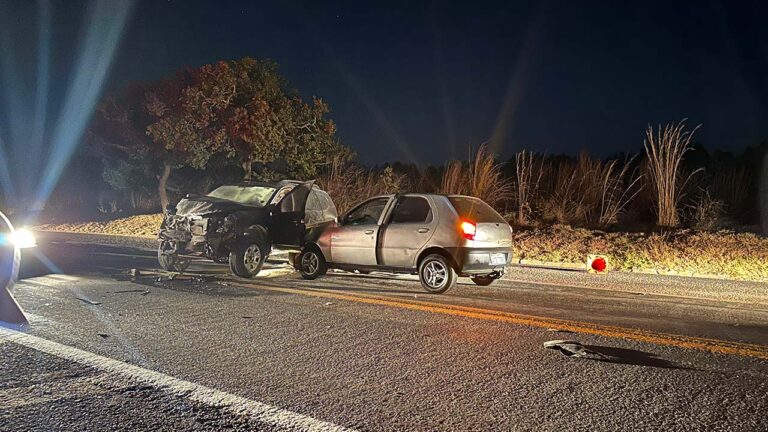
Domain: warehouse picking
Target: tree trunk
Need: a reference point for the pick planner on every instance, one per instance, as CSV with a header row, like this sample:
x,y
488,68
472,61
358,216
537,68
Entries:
x,y
161,186
248,168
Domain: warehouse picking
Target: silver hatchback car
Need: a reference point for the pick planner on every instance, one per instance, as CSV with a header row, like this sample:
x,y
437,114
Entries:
x,y
438,237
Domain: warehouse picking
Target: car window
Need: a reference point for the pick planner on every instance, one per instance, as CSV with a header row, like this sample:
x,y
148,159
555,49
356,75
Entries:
x,y
475,210
367,213
412,210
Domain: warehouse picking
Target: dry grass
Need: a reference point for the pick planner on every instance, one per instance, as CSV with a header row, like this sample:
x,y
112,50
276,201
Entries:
x,y
723,254
528,176
588,192
146,226
665,149
348,184
732,187
482,177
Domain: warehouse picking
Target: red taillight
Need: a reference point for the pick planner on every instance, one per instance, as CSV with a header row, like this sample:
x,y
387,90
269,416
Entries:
x,y
468,229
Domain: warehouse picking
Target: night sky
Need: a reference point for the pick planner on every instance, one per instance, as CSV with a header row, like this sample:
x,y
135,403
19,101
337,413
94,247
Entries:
x,y
421,81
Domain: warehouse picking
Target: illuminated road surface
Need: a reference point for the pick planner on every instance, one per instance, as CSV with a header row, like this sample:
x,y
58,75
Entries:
x,y
367,353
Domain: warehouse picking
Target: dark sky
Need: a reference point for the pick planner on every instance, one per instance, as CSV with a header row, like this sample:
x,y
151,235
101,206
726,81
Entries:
x,y
420,81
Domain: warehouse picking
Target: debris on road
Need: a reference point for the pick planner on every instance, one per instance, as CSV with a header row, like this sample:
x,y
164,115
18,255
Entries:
x,y
557,330
88,301
103,335
329,303
135,272
571,348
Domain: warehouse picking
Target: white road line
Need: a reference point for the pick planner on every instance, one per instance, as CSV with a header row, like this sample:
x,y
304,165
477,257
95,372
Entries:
x,y
235,404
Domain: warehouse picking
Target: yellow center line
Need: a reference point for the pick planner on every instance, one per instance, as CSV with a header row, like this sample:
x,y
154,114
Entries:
x,y
680,341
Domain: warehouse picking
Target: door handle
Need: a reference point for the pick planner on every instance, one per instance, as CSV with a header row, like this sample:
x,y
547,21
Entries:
x,y
368,232
422,230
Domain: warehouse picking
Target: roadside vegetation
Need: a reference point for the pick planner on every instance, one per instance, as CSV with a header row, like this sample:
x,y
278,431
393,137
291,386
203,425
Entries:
x,y
674,206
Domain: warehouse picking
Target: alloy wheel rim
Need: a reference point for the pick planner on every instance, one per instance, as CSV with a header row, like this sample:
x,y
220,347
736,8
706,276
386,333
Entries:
x,y
435,274
252,258
310,262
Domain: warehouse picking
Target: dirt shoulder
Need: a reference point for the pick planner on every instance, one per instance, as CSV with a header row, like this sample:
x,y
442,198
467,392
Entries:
x,y
721,255
145,226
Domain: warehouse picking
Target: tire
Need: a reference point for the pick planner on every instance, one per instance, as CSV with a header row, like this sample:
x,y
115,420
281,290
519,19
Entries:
x,y
311,264
436,274
171,261
483,280
247,258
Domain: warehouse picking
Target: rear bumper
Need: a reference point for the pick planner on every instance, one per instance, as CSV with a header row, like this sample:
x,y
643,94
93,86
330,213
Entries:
x,y
477,261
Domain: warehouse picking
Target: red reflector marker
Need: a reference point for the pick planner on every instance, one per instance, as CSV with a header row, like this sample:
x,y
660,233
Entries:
x,y
598,264
469,229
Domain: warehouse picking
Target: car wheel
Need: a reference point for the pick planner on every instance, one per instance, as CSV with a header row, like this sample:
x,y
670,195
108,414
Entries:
x,y
311,264
171,261
247,258
483,280
436,274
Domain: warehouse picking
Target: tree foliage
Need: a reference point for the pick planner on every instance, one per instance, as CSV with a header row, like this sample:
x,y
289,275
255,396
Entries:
x,y
243,110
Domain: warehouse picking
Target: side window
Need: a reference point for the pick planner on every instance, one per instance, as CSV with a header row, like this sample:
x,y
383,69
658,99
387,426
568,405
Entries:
x,y
367,213
412,210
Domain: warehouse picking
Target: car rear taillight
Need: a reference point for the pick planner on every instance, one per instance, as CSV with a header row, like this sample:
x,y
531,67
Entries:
x,y
468,229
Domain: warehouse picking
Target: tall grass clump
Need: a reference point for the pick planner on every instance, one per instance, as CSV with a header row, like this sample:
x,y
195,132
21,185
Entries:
x,y
588,192
482,177
527,178
665,149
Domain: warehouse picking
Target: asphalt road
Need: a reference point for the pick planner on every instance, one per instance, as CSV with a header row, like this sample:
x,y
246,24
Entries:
x,y
112,349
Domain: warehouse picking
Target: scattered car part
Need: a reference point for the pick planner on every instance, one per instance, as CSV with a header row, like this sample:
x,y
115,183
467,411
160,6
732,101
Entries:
x,y
571,348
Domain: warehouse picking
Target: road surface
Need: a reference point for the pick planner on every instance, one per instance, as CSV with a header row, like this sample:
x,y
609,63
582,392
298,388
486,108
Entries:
x,y
115,349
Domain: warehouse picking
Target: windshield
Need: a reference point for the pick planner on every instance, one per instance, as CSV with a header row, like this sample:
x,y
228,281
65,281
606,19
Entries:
x,y
249,195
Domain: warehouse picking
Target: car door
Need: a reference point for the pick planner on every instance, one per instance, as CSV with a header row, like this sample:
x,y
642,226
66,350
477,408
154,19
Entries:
x,y
354,240
287,216
408,227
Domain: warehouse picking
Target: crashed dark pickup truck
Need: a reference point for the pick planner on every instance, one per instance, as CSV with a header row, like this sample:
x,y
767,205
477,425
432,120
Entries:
x,y
242,223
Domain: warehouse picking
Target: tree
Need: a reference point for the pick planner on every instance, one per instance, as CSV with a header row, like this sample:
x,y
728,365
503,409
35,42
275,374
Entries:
x,y
267,122
241,109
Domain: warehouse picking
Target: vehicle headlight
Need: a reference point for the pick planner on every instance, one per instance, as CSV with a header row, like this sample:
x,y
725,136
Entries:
x,y
22,238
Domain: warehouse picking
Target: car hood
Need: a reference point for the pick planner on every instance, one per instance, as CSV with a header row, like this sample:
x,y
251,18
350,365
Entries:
x,y
205,205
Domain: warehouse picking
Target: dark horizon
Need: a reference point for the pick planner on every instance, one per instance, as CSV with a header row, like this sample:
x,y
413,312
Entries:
x,y
424,84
